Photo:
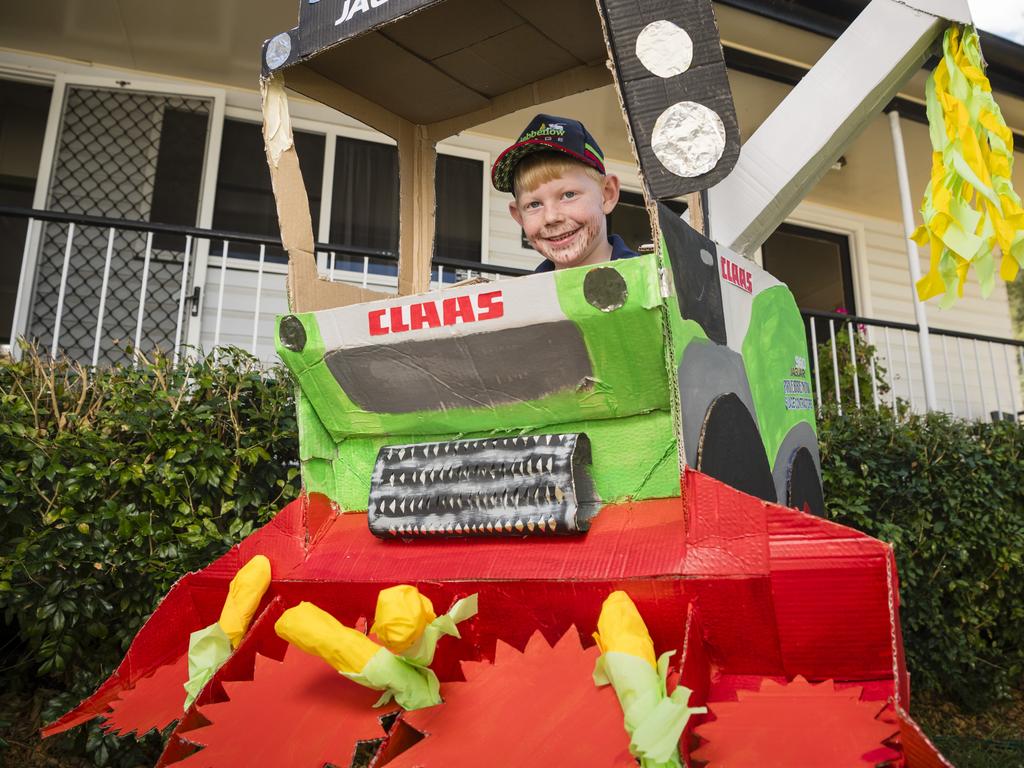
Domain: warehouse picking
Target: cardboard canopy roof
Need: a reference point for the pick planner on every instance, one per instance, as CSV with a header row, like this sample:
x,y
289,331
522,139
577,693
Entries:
x,y
447,65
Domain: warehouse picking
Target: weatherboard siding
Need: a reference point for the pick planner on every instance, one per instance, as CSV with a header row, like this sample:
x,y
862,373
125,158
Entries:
x,y
883,292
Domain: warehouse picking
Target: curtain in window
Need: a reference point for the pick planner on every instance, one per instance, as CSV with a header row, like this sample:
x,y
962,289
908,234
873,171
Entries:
x,y
245,198
364,207
459,208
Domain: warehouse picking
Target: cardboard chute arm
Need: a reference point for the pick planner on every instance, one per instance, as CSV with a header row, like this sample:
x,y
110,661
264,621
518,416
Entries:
x,y
307,291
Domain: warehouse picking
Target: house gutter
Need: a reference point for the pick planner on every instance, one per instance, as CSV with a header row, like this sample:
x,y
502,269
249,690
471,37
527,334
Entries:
x,y
786,72
1005,58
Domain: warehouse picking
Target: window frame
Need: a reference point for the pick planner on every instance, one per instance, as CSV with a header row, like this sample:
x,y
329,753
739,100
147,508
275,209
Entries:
x,y
846,256
853,225
331,132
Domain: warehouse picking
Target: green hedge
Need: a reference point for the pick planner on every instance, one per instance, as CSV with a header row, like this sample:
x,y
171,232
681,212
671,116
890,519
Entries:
x,y
115,482
949,495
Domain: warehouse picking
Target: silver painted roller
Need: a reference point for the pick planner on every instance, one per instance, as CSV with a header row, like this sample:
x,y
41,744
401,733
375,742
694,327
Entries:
x,y
515,486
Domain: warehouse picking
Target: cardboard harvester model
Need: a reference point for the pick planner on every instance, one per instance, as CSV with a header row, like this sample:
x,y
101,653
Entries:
x,y
628,448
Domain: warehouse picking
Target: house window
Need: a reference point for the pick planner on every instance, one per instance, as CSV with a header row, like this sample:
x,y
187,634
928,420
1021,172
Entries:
x,y
23,112
245,198
460,208
363,211
177,184
364,204
814,264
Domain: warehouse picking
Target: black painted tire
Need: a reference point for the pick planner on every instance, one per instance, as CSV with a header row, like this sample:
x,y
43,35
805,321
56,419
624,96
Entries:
x,y
803,486
731,449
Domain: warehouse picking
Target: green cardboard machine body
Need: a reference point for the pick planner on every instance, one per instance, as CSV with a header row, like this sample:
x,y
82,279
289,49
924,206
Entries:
x,y
690,355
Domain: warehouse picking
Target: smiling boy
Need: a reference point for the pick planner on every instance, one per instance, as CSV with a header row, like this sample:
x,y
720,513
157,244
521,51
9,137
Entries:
x,y
561,193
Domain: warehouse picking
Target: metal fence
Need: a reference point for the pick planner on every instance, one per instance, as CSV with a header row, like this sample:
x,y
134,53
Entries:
x,y
864,362
167,287
192,266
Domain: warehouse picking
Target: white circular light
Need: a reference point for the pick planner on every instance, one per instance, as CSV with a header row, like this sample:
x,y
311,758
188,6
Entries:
x,y
278,50
688,139
665,49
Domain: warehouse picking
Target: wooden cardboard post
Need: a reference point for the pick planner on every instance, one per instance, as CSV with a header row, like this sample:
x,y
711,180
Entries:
x,y
307,291
417,160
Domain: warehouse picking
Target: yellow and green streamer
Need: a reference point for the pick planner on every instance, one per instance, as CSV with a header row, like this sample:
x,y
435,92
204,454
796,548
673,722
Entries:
x,y
970,208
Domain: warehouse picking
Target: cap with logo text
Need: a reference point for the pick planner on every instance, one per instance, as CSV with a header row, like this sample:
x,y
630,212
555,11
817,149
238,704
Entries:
x,y
547,133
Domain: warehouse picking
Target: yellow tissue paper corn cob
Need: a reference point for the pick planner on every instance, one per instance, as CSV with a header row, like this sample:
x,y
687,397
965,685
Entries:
x,y
620,628
244,595
653,718
318,633
402,615
210,647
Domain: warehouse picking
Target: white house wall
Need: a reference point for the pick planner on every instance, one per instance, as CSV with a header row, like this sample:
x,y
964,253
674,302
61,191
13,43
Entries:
x,y
883,291
877,248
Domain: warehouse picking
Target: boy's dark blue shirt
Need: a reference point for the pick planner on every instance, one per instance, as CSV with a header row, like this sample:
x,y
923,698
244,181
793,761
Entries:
x,y
619,251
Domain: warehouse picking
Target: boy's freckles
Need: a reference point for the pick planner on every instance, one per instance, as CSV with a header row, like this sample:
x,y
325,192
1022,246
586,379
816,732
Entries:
x,y
564,220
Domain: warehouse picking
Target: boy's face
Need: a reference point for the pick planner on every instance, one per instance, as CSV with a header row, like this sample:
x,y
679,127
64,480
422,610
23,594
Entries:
x,y
564,219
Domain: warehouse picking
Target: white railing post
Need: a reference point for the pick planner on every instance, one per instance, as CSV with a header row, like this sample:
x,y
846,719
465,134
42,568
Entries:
x,y
906,362
259,297
181,299
817,366
142,298
220,293
981,383
853,362
995,380
902,176
63,290
103,299
963,378
892,372
19,324
1014,401
949,378
874,383
835,364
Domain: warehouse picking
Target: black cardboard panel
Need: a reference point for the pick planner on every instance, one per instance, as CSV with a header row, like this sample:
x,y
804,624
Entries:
x,y
317,29
698,289
323,23
652,95
647,96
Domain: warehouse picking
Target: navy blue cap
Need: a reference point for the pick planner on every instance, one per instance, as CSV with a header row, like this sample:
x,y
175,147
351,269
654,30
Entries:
x,y
547,133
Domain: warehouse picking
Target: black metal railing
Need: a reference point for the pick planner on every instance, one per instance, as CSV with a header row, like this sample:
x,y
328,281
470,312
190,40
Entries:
x,y
151,294
154,299
878,363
